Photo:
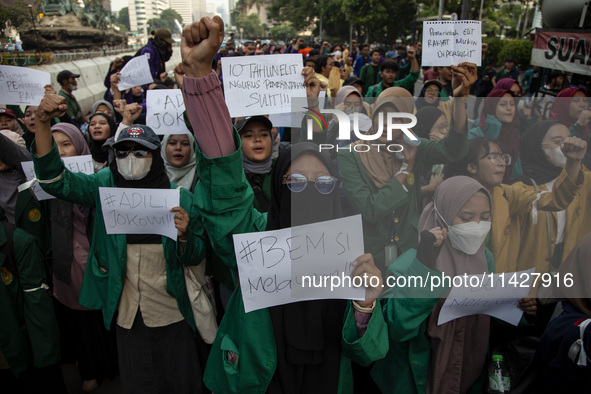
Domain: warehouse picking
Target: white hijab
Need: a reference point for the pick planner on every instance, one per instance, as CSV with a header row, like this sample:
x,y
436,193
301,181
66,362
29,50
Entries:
x,y
182,176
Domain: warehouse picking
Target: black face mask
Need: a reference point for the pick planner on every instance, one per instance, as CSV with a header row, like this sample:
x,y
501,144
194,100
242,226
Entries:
x,y
165,50
307,206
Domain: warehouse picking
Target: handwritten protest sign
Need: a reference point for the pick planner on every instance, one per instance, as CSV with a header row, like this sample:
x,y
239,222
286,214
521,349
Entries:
x,y
497,297
262,85
451,42
139,211
165,108
299,263
22,85
135,73
74,164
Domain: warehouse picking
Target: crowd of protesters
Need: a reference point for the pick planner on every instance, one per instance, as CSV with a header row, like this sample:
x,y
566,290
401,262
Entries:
x,y
499,183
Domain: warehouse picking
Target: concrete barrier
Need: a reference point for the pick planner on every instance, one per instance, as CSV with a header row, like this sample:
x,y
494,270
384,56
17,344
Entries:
x,y
92,75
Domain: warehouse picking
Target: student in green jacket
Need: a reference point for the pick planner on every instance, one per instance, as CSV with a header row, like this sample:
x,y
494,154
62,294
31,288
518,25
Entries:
x,y
257,147
385,187
389,70
137,280
298,348
29,335
451,357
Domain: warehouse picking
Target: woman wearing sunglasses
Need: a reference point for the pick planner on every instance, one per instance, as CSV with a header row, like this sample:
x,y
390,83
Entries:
x,y
301,347
137,280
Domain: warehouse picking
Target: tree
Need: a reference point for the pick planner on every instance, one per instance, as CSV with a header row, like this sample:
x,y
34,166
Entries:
x,y
283,32
18,14
165,20
251,25
123,18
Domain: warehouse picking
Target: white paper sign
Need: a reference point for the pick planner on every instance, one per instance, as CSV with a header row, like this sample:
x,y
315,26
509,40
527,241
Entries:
x,y
299,263
298,111
451,42
497,298
139,211
262,85
135,73
164,111
74,164
22,85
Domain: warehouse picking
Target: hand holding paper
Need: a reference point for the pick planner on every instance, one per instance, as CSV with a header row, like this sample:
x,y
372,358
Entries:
x,y
365,267
464,76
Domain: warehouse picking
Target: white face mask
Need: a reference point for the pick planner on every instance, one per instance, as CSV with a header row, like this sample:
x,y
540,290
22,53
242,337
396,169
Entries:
x,y
133,168
555,156
73,87
468,237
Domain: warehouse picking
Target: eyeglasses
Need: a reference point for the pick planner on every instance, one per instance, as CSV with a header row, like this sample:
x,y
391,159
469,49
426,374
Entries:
x,y
442,128
137,152
432,91
298,182
499,158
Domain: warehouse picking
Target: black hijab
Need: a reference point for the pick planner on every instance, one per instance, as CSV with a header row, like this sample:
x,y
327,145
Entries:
x,y
155,179
307,334
533,159
426,118
96,147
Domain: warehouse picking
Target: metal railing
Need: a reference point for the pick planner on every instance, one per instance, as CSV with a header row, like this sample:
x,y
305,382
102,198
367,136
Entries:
x,y
32,58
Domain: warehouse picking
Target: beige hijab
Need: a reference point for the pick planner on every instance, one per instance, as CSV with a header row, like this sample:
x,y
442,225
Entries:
x,y
459,347
382,165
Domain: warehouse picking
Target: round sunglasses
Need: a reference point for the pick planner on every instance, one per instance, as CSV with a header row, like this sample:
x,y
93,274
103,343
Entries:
x,y
298,182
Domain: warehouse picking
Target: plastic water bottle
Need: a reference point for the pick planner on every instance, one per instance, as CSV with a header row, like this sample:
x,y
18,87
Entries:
x,y
498,376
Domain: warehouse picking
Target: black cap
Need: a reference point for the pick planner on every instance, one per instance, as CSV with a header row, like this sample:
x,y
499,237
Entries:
x,y
433,82
352,80
240,123
64,75
510,59
138,133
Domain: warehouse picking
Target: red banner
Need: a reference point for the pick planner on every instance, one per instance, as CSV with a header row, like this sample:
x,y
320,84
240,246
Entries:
x,y
563,50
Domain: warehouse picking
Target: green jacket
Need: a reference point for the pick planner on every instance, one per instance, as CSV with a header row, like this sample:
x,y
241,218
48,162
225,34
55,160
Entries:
x,y
407,82
367,76
224,200
390,212
74,111
29,334
409,351
106,266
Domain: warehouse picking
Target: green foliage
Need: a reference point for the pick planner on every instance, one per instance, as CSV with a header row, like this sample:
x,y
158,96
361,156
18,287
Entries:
x,y
499,50
166,20
18,14
283,32
251,25
382,21
123,28
520,50
299,13
494,47
123,18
